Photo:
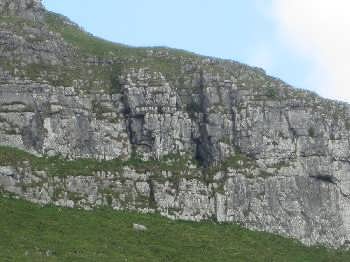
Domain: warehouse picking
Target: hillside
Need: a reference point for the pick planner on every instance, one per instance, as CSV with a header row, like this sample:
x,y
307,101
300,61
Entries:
x,y
86,123
56,234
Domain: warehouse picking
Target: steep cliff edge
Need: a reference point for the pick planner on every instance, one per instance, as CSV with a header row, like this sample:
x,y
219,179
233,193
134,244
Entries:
x,y
163,130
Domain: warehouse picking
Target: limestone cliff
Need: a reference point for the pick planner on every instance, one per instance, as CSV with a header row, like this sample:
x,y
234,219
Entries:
x,y
217,139
29,9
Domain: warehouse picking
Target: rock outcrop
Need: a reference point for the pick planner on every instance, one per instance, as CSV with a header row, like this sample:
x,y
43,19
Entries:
x,y
290,203
29,9
278,157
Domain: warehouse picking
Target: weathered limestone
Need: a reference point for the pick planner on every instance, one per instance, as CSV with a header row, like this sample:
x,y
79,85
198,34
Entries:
x,y
289,203
56,121
300,187
29,9
57,101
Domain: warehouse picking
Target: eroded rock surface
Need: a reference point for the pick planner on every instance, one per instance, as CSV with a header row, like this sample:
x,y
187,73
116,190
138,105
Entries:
x,y
58,98
29,9
288,203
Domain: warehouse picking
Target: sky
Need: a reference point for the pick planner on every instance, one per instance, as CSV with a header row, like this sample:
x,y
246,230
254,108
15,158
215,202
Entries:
x,y
304,42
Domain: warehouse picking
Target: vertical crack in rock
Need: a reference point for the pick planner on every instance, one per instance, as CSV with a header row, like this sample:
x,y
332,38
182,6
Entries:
x,y
203,144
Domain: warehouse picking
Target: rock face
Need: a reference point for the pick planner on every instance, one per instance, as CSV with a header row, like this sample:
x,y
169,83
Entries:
x,y
57,121
279,157
290,203
29,9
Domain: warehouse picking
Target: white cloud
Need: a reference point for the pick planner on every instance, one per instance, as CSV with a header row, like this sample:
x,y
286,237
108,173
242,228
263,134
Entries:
x,y
320,29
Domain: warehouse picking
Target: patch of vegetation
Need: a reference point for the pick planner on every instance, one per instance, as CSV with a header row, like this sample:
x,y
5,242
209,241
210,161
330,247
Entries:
x,y
271,92
92,45
116,86
193,108
32,233
109,56
175,163
87,43
159,59
55,165
237,161
58,166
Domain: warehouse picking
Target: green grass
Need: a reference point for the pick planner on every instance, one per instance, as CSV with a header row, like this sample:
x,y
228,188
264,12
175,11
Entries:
x,y
92,45
32,233
130,57
58,166
87,43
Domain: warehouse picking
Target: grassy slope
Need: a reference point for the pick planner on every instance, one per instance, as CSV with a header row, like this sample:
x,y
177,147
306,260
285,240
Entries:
x,y
128,57
92,45
30,233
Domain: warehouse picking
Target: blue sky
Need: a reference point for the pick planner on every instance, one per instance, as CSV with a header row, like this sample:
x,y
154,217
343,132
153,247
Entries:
x,y
248,31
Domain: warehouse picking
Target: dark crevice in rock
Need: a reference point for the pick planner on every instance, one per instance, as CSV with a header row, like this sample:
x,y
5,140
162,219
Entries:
x,y
325,178
203,144
199,156
152,199
234,103
127,116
